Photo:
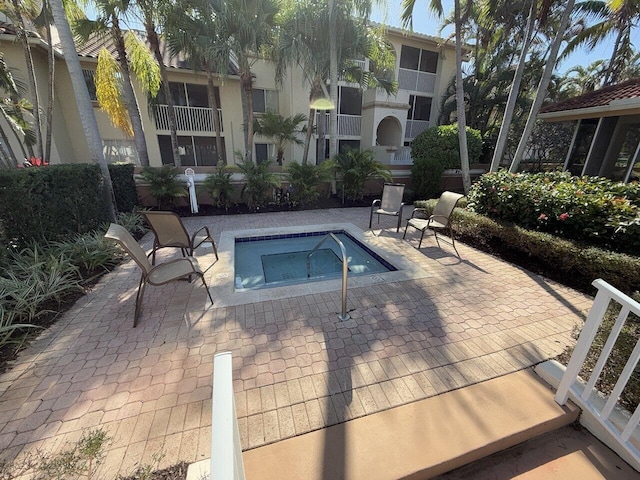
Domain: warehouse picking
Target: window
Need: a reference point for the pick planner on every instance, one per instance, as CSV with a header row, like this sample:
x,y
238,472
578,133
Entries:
x,y
264,151
350,101
194,151
413,58
91,86
188,95
264,100
120,151
345,145
420,108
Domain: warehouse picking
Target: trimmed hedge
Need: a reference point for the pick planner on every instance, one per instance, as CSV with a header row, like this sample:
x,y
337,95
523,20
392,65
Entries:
x,y
435,150
124,186
576,264
51,203
590,209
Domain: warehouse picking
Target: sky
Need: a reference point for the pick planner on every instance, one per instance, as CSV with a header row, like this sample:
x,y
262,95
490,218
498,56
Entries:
x,y
426,22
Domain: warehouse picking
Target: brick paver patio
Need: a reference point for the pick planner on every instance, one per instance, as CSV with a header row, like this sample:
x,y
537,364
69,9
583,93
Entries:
x,y
297,368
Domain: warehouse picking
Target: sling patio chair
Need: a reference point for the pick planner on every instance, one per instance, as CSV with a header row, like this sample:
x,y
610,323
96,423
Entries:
x,y
179,269
440,219
170,232
390,204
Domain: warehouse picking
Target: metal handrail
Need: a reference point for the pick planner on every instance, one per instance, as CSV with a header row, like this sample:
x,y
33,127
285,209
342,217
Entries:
x,y
345,268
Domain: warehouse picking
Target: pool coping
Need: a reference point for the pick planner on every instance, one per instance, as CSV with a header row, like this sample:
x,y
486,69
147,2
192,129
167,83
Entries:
x,y
222,281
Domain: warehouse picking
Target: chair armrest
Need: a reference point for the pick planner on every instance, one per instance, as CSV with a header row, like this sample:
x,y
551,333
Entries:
x,y
376,201
193,237
418,210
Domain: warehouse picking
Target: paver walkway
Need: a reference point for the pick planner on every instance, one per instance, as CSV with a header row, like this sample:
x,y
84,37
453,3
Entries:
x,y
297,368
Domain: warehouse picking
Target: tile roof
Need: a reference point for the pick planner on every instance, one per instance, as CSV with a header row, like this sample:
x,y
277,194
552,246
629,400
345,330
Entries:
x,y
597,98
92,47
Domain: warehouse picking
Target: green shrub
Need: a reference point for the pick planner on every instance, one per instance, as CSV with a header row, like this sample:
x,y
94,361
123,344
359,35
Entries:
x,y
304,180
51,203
218,185
355,168
164,184
260,183
591,209
124,186
574,260
90,251
133,221
435,150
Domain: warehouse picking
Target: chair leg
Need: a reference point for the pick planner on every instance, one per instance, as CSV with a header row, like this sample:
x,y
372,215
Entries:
x,y
399,221
139,297
153,253
405,230
206,287
453,241
435,234
215,250
370,218
421,237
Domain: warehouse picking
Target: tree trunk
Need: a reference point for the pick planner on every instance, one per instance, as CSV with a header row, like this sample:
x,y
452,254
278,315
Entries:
x,y
542,86
462,121
213,101
129,95
20,139
333,78
503,136
32,78
247,110
50,84
152,38
85,107
609,77
7,151
307,138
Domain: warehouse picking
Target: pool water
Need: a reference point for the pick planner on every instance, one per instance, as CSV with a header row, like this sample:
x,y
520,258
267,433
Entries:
x,y
276,260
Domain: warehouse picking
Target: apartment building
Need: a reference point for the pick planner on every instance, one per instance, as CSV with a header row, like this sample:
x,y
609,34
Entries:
x,y
368,119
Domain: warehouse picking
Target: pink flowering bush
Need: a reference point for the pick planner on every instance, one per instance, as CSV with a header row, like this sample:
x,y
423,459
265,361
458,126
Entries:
x,y
591,209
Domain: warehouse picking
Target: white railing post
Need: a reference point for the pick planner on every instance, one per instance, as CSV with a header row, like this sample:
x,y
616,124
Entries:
x,y
226,451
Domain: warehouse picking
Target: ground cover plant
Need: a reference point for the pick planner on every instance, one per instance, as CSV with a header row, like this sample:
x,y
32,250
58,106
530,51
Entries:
x,y
594,210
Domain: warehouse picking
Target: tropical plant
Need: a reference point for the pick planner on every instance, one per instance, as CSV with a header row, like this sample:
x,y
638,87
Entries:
x,y
191,29
260,183
281,129
436,6
304,180
435,150
617,17
355,168
133,221
164,184
83,101
13,109
248,26
304,40
90,251
218,185
113,77
541,91
156,13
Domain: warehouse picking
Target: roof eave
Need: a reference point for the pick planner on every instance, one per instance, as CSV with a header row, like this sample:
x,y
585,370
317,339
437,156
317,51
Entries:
x,y
627,106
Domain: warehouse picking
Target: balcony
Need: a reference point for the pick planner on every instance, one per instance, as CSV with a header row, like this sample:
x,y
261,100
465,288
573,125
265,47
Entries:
x,y
415,127
189,119
348,125
416,81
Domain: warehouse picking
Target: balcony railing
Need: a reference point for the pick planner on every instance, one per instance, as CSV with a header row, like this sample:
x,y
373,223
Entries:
x,y
348,125
415,127
416,81
190,119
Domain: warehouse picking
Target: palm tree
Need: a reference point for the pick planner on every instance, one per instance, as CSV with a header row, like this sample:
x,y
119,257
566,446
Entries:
x,y
542,86
155,12
282,130
16,11
436,6
248,26
83,100
108,24
580,80
303,41
192,30
615,17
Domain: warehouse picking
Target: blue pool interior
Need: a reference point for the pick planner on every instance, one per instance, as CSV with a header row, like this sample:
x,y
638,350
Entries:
x,y
276,260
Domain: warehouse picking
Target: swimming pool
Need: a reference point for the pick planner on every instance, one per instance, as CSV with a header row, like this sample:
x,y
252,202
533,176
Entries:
x,y
281,259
